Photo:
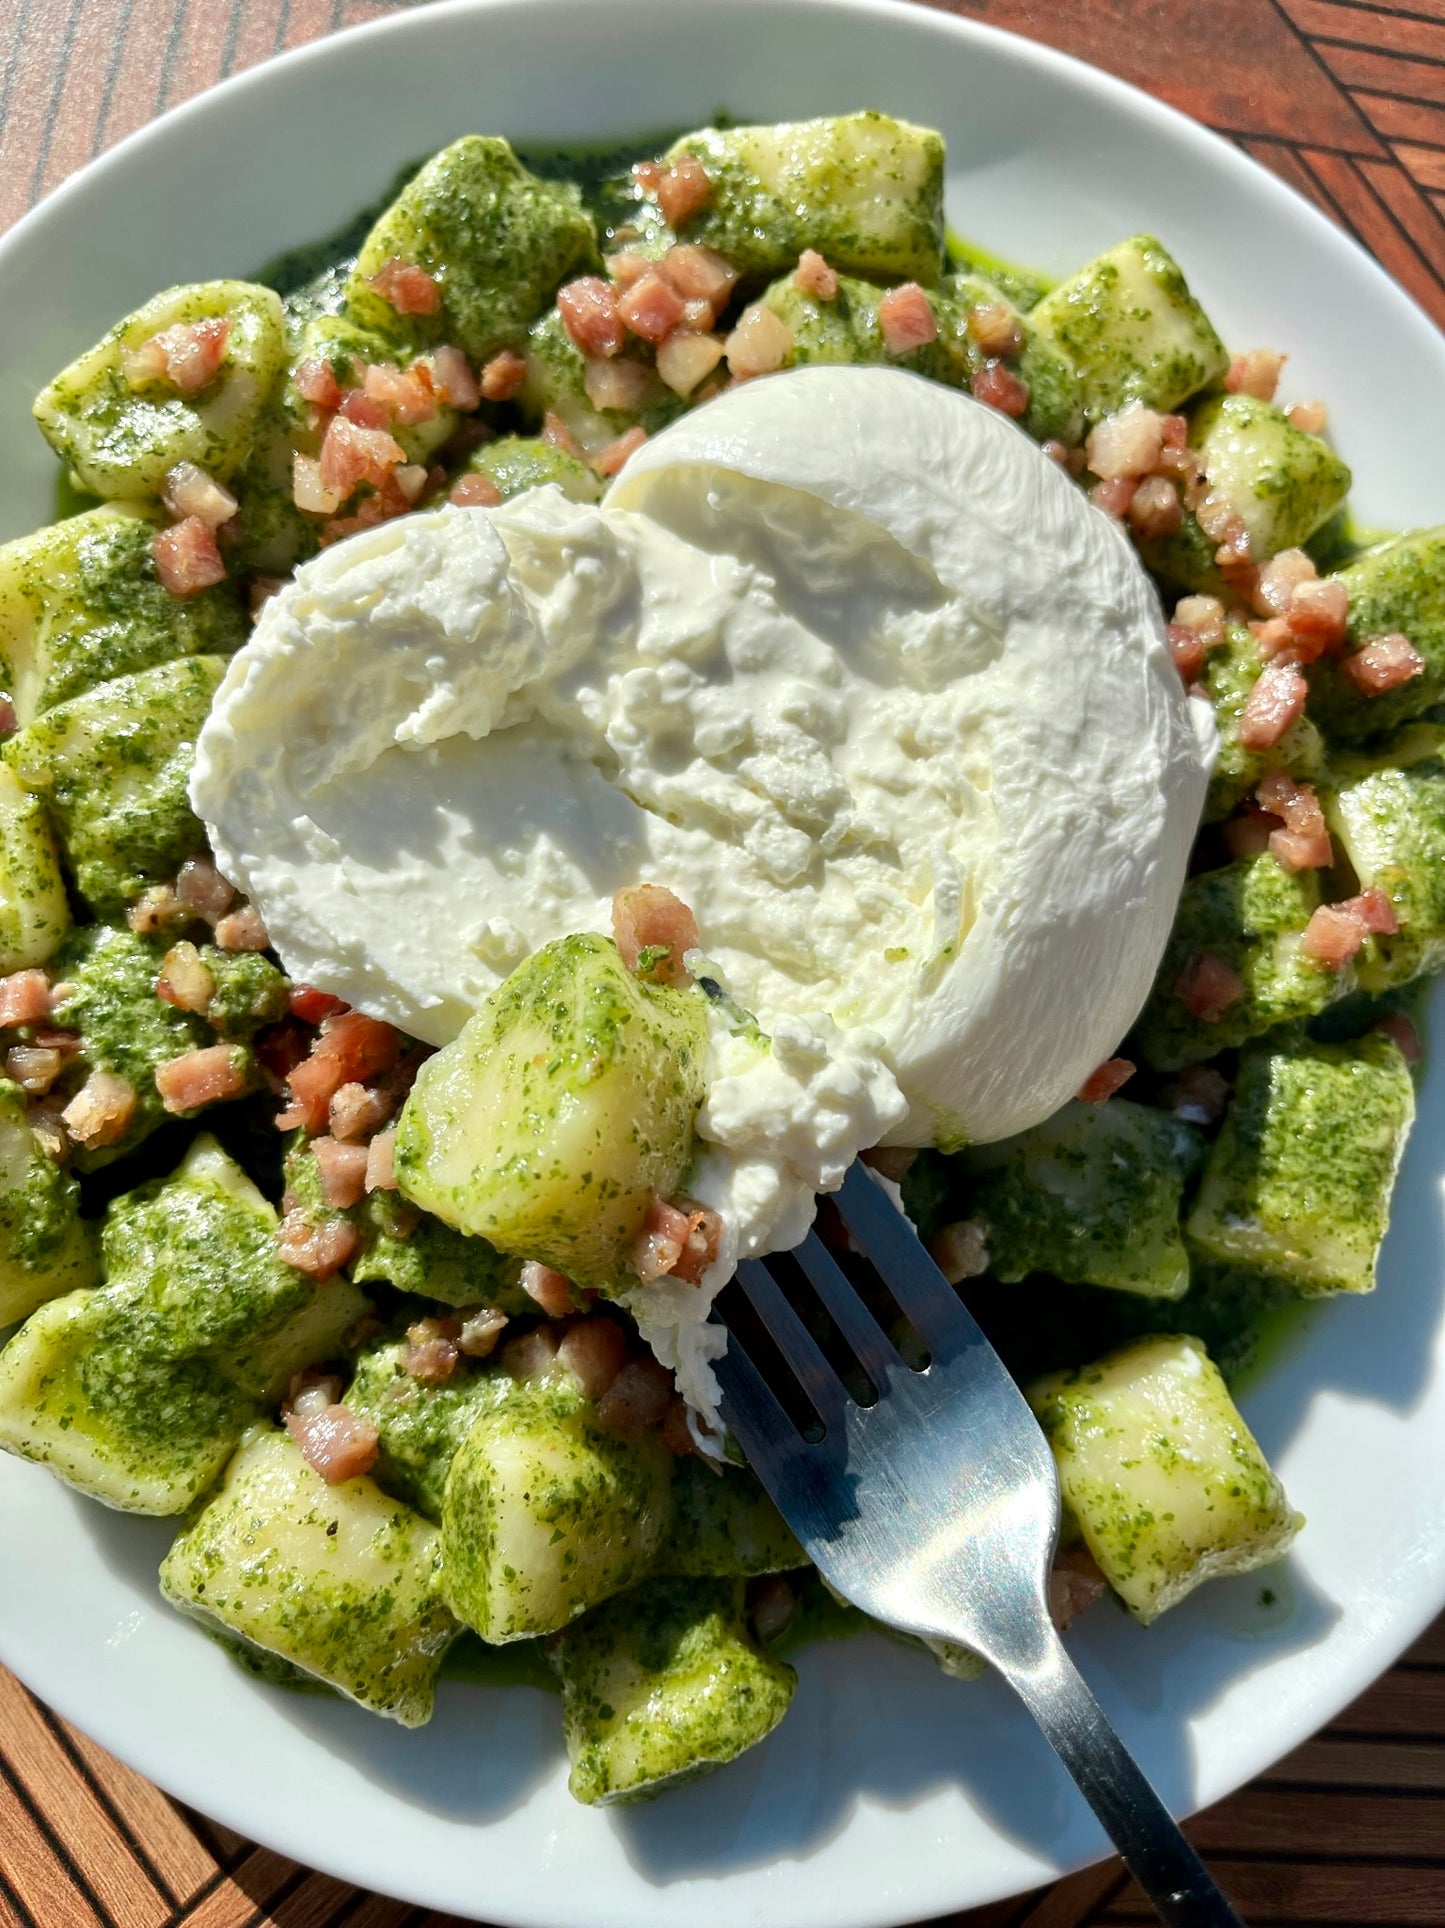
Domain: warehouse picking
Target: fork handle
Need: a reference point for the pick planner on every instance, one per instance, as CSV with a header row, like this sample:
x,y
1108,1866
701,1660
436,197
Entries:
x,y
1149,1840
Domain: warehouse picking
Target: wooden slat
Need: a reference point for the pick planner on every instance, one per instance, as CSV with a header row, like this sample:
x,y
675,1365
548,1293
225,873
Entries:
x,y
1429,1649
1328,1762
1077,1899
1426,164
1000,1914
1385,73
1406,120
35,1871
1266,1893
1417,266
170,1845
1407,1706
376,1911
251,1887
79,1823
1378,29
1267,1821
1286,162
316,1903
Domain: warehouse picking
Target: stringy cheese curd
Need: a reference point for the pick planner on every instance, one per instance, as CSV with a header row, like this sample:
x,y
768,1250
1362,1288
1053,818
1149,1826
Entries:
x,y
845,662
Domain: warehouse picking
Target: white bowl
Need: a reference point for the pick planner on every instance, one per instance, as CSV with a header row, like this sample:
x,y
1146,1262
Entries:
x,y
889,1794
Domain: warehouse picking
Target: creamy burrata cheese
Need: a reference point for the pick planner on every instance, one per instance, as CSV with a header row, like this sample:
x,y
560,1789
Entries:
x,y
842,659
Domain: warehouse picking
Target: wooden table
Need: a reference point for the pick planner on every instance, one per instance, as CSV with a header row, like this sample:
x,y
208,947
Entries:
x,y
1346,100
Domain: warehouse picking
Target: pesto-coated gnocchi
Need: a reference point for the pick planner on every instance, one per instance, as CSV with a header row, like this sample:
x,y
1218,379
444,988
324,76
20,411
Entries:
x,y
125,413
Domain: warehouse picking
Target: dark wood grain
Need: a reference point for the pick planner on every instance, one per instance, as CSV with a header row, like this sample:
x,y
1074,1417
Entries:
x,y
1346,101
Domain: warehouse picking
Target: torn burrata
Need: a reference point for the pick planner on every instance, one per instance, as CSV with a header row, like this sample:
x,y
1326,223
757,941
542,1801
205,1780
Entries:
x,y
842,660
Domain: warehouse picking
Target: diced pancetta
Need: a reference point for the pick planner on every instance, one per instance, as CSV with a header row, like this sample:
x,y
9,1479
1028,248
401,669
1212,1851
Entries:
x,y
101,1111
1101,1084
1402,1034
594,1351
186,557
637,1400
34,1067
1336,932
588,307
406,395
1208,986
335,1442
503,376
201,889
475,491
532,1355
685,359
24,997
455,381
1384,663
242,929
1274,705
381,1163
997,386
1302,840
351,455
1200,1095
431,1351
319,1247
186,980
1256,373
407,288
813,276
315,381
1279,578
759,344
199,1078
1155,509
189,491
614,455
906,319
616,384
342,1169
651,308
480,1331
996,328
186,357
551,1289
1318,615
683,190
356,1112
650,918
1129,442
701,274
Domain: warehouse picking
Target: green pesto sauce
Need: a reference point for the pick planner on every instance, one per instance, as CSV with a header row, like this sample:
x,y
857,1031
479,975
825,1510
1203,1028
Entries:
x,y
1024,287
603,171
521,1663
821,1615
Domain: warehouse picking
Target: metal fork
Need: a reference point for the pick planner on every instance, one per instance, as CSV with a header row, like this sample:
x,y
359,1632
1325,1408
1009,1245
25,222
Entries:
x,y
936,1510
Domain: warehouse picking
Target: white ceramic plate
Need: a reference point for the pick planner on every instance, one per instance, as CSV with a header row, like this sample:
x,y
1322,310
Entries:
x,y
888,1794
